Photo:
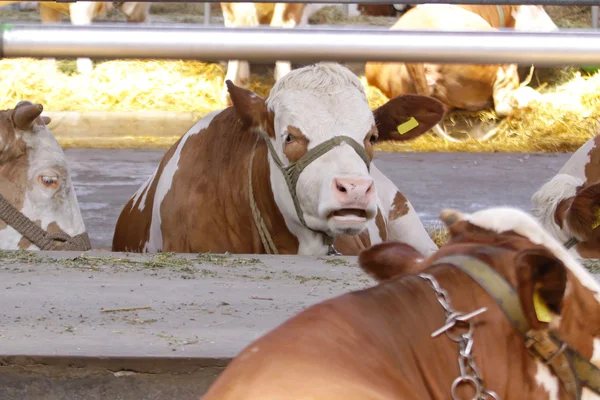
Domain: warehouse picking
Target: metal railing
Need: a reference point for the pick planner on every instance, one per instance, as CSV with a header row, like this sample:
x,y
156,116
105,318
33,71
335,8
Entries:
x,y
300,45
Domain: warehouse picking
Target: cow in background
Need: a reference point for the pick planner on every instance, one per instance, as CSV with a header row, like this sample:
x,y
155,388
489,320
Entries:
x,y
38,204
280,15
84,12
462,86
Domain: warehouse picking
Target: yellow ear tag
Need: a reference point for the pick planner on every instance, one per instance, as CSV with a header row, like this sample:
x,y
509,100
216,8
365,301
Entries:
x,y
407,126
541,309
596,222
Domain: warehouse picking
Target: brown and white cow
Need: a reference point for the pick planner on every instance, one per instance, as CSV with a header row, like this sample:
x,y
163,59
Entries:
x,y
461,86
199,200
568,205
35,180
278,15
84,12
377,343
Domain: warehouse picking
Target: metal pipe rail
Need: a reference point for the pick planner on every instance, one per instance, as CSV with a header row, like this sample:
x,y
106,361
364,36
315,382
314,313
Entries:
x,y
300,45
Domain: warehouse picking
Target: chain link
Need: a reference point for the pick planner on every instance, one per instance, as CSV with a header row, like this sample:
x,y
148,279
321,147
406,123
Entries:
x,y
469,373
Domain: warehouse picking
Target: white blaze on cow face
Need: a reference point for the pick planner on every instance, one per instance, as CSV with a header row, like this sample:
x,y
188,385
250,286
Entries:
x,y
42,190
533,18
336,192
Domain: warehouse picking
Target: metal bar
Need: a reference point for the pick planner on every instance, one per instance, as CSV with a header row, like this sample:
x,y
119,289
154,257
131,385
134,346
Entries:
x,y
595,17
492,2
207,14
301,45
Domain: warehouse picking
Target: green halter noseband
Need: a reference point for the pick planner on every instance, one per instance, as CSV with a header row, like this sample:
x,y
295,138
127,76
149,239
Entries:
x,y
292,172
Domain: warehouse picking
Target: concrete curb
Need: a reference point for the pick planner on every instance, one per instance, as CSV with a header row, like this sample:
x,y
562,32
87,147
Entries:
x,y
133,129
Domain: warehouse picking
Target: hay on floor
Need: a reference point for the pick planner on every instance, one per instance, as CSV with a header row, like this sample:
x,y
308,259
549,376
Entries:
x,y
562,120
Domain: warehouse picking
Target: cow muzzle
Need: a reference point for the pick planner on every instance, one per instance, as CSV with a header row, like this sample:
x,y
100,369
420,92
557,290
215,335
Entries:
x,y
354,197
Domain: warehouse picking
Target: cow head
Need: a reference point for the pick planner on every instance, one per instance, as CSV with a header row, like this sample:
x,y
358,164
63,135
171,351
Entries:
x,y
34,176
556,294
318,122
532,18
570,210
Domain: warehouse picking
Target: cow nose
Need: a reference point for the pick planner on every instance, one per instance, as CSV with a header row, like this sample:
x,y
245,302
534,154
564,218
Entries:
x,y
353,192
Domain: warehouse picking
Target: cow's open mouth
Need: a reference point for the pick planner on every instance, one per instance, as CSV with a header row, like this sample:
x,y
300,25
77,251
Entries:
x,y
349,215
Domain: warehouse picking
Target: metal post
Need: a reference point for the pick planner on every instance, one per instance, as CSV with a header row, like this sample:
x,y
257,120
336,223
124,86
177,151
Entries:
x,y
301,44
207,13
595,17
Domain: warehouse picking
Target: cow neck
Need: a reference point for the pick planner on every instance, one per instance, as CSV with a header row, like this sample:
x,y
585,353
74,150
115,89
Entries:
x,y
572,369
275,237
291,174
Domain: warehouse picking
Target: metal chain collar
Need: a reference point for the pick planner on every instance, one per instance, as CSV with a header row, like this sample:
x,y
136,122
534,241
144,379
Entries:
x,y
469,373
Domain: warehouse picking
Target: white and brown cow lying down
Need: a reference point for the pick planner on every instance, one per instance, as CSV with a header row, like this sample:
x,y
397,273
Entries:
x,y
377,343
38,204
199,198
461,86
568,205
84,12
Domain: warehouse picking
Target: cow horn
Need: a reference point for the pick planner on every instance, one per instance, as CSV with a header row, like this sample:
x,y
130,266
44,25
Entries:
x,y
25,115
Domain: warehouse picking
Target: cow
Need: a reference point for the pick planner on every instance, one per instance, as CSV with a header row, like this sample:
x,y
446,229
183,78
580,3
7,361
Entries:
x,y
462,86
503,299
287,175
568,204
277,15
38,204
84,12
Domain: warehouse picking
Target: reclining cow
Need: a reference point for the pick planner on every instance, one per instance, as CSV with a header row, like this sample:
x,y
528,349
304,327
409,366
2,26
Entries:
x,y
84,12
461,86
38,204
289,174
568,205
533,311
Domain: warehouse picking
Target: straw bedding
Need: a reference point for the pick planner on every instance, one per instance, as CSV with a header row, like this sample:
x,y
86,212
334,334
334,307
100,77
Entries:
x,y
563,120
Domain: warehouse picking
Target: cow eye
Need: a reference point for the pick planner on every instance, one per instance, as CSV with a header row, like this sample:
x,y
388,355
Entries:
x,y
288,138
373,139
48,181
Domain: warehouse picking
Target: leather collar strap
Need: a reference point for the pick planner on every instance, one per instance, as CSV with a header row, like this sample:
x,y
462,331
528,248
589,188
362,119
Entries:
x,y
573,370
39,237
292,172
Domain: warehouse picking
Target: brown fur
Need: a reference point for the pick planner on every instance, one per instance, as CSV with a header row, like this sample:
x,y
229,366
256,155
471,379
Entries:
x,y
457,86
399,206
298,147
314,354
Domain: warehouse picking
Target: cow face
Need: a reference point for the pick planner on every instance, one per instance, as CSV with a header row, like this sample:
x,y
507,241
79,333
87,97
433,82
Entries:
x,y
533,18
34,176
309,107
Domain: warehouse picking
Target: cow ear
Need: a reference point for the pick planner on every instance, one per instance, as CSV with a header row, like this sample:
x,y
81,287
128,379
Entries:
x,y
583,215
250,108
541,284
389,260
408,116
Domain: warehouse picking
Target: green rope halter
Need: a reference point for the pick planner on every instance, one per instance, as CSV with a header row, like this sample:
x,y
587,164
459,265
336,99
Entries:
x,y
292,172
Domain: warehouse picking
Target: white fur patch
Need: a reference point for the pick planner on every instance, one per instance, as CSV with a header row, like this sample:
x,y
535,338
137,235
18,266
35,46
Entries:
x,y
546,200
546,379
155,241
504,219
